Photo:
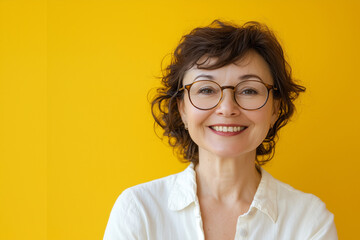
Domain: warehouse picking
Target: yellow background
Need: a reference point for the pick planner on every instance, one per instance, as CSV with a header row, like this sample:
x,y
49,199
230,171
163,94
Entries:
x,y
75,122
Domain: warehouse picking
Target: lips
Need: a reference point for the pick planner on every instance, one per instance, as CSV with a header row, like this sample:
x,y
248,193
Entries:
x,y
227,128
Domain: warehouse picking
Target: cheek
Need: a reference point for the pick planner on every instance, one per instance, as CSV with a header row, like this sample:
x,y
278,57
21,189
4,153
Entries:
x,y
196,117
262,118
197,121
192,114
261,124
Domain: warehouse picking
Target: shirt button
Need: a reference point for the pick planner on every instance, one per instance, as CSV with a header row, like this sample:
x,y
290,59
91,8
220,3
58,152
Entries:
x,y
243,233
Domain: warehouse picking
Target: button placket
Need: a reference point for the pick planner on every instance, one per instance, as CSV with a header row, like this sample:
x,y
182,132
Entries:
x,y
197,212
242,230
243,233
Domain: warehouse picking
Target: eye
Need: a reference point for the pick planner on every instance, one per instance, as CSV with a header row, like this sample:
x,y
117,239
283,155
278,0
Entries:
x,y
206,91
248,91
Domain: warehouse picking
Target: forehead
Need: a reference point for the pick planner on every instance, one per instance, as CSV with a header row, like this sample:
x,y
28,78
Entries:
x,y
251,64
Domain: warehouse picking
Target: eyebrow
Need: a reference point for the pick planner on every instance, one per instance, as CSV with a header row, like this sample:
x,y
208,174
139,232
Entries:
x,y
204,76
247,76
243,77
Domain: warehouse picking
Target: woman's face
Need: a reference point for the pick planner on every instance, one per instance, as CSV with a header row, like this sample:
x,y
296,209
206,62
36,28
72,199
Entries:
x,y
206,127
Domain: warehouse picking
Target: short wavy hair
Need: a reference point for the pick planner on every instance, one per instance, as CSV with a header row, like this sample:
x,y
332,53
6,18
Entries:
x,y
227,43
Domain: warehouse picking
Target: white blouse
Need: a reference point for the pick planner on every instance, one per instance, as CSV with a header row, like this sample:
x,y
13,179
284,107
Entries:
x,y
168,208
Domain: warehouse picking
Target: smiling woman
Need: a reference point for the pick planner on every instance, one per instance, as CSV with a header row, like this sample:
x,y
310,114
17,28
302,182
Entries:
x,y
226,93
250,107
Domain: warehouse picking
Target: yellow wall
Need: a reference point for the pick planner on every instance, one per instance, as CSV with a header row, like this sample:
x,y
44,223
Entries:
x,y
75,123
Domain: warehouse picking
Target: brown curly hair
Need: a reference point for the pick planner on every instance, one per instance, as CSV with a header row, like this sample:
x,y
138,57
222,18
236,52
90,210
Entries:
x,y
227,43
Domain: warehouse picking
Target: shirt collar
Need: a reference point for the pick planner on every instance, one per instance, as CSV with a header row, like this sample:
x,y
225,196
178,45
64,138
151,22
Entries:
x,y
184,189
184,193
265,198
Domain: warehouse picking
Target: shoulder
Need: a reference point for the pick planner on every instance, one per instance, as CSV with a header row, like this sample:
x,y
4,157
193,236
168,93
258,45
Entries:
x,y
284,195
155,190
151,189
149,196
281,199
289,196
133,211
289,193
304,212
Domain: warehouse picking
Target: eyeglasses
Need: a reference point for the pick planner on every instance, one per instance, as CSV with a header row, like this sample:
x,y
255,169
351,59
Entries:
x,y
249,94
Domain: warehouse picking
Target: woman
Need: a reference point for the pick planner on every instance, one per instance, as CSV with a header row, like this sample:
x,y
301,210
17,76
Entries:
x,y
225,95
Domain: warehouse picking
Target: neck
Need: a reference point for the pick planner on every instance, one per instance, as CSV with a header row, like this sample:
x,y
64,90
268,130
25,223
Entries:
x,y
227,179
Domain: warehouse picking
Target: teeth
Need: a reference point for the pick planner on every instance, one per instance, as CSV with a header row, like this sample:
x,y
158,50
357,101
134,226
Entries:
x,y
227,129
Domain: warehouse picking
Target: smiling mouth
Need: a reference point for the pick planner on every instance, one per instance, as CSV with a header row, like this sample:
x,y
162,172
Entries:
x,y
227,128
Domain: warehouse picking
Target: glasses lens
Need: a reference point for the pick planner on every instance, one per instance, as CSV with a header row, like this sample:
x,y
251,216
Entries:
x,y
205,94
251,94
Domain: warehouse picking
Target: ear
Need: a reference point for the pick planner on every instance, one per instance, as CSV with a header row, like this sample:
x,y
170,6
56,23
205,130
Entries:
x,y
275,114
181,107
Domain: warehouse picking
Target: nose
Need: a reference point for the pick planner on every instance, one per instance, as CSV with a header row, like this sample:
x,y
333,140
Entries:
x,y
227,106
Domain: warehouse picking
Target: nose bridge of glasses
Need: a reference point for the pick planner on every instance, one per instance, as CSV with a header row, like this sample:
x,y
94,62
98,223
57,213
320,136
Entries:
x,y
228,87
232,95
225,87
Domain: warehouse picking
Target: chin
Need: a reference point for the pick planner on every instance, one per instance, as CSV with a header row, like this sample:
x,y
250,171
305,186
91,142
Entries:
x,y
231,152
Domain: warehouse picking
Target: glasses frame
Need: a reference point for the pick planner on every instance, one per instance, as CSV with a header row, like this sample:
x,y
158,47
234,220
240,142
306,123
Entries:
x,y
268,87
